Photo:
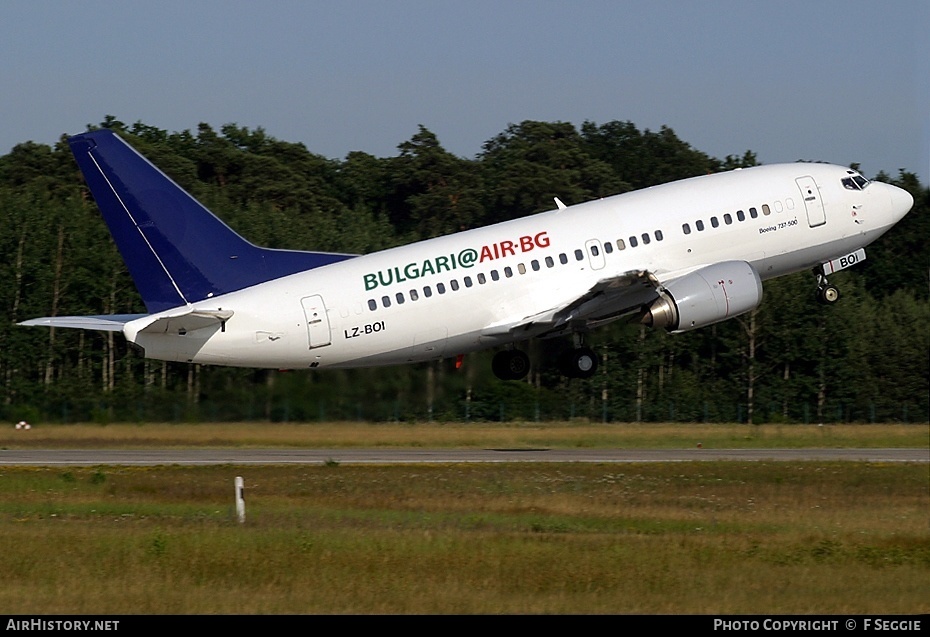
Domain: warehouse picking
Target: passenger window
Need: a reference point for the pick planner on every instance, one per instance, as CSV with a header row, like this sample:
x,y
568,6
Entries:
x,y
608,247
699,225
766,210
535,265
686,228
467,281
495,276
727,218
508,272
372,305
659,235
645,238
427,291
400,298
594,250
633,242
741,215
414,295
563,258
481,278
441,288
753,213
620,244
549,262
386,301
521,268
579,255
454,284
714,222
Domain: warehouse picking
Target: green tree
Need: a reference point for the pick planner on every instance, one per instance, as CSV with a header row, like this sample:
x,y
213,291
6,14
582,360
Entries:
x,y
433,192
642,159
863,359
531,163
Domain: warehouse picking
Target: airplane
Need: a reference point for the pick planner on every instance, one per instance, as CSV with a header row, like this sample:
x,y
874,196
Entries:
x,y
677,256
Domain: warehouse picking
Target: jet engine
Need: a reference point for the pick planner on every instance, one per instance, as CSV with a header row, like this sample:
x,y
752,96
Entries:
x,y
706,296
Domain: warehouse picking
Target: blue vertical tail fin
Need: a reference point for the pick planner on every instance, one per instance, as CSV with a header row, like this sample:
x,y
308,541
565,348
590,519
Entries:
x,y
176,250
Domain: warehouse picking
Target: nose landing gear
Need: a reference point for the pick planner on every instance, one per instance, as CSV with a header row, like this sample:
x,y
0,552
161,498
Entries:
x,y
827,293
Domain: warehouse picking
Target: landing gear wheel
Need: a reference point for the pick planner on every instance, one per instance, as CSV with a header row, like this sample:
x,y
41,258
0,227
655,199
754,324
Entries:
x,y
510,364
828,294
579,363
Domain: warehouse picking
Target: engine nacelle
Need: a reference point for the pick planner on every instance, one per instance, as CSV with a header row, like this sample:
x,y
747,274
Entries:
x,y
706,296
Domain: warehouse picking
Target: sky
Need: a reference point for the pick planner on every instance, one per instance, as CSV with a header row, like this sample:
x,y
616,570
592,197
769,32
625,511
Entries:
x,y
837,81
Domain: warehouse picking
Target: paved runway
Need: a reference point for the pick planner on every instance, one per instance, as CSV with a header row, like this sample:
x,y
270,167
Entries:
x,y
191,457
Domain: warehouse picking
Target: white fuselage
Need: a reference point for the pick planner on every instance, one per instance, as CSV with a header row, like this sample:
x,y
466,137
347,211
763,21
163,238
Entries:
x,y
446,296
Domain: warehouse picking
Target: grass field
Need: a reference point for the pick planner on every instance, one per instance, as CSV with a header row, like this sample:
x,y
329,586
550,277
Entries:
x,y
459,435
651,538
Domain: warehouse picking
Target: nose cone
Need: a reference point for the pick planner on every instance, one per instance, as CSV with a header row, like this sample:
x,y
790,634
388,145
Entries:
x,y
901,202
892,203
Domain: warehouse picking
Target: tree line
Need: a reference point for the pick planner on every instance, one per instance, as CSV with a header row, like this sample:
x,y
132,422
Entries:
x,y
790,360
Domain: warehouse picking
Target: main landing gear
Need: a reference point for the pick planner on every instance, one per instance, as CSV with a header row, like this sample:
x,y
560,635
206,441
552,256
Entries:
x,y
510,364
514,364
826,293
580,362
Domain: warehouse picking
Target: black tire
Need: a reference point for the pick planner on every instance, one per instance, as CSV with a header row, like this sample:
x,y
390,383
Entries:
x,y
579,363
828,294
510,364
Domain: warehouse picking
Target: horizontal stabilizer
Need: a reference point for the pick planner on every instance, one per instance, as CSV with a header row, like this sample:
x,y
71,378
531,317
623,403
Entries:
x,y
179,322
103,323
185,321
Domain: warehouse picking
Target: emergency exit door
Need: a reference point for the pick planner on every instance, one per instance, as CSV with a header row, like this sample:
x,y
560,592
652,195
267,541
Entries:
x,y
317,321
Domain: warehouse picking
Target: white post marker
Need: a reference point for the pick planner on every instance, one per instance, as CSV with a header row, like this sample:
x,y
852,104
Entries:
x,y
240,499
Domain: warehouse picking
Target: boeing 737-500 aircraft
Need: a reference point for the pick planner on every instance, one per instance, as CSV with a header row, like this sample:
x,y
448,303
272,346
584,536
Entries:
x,y
680,256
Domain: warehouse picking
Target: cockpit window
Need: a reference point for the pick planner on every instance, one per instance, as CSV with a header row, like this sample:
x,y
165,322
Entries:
x,y
855,181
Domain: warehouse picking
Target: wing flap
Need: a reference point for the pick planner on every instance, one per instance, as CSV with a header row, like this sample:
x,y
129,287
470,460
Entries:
x,y
606,300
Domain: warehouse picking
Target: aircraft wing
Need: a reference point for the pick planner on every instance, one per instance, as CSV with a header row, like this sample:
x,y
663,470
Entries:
x,y
605,301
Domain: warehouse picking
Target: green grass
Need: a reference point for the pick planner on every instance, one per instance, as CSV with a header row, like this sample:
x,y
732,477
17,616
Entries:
x,y
652,538
466,435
